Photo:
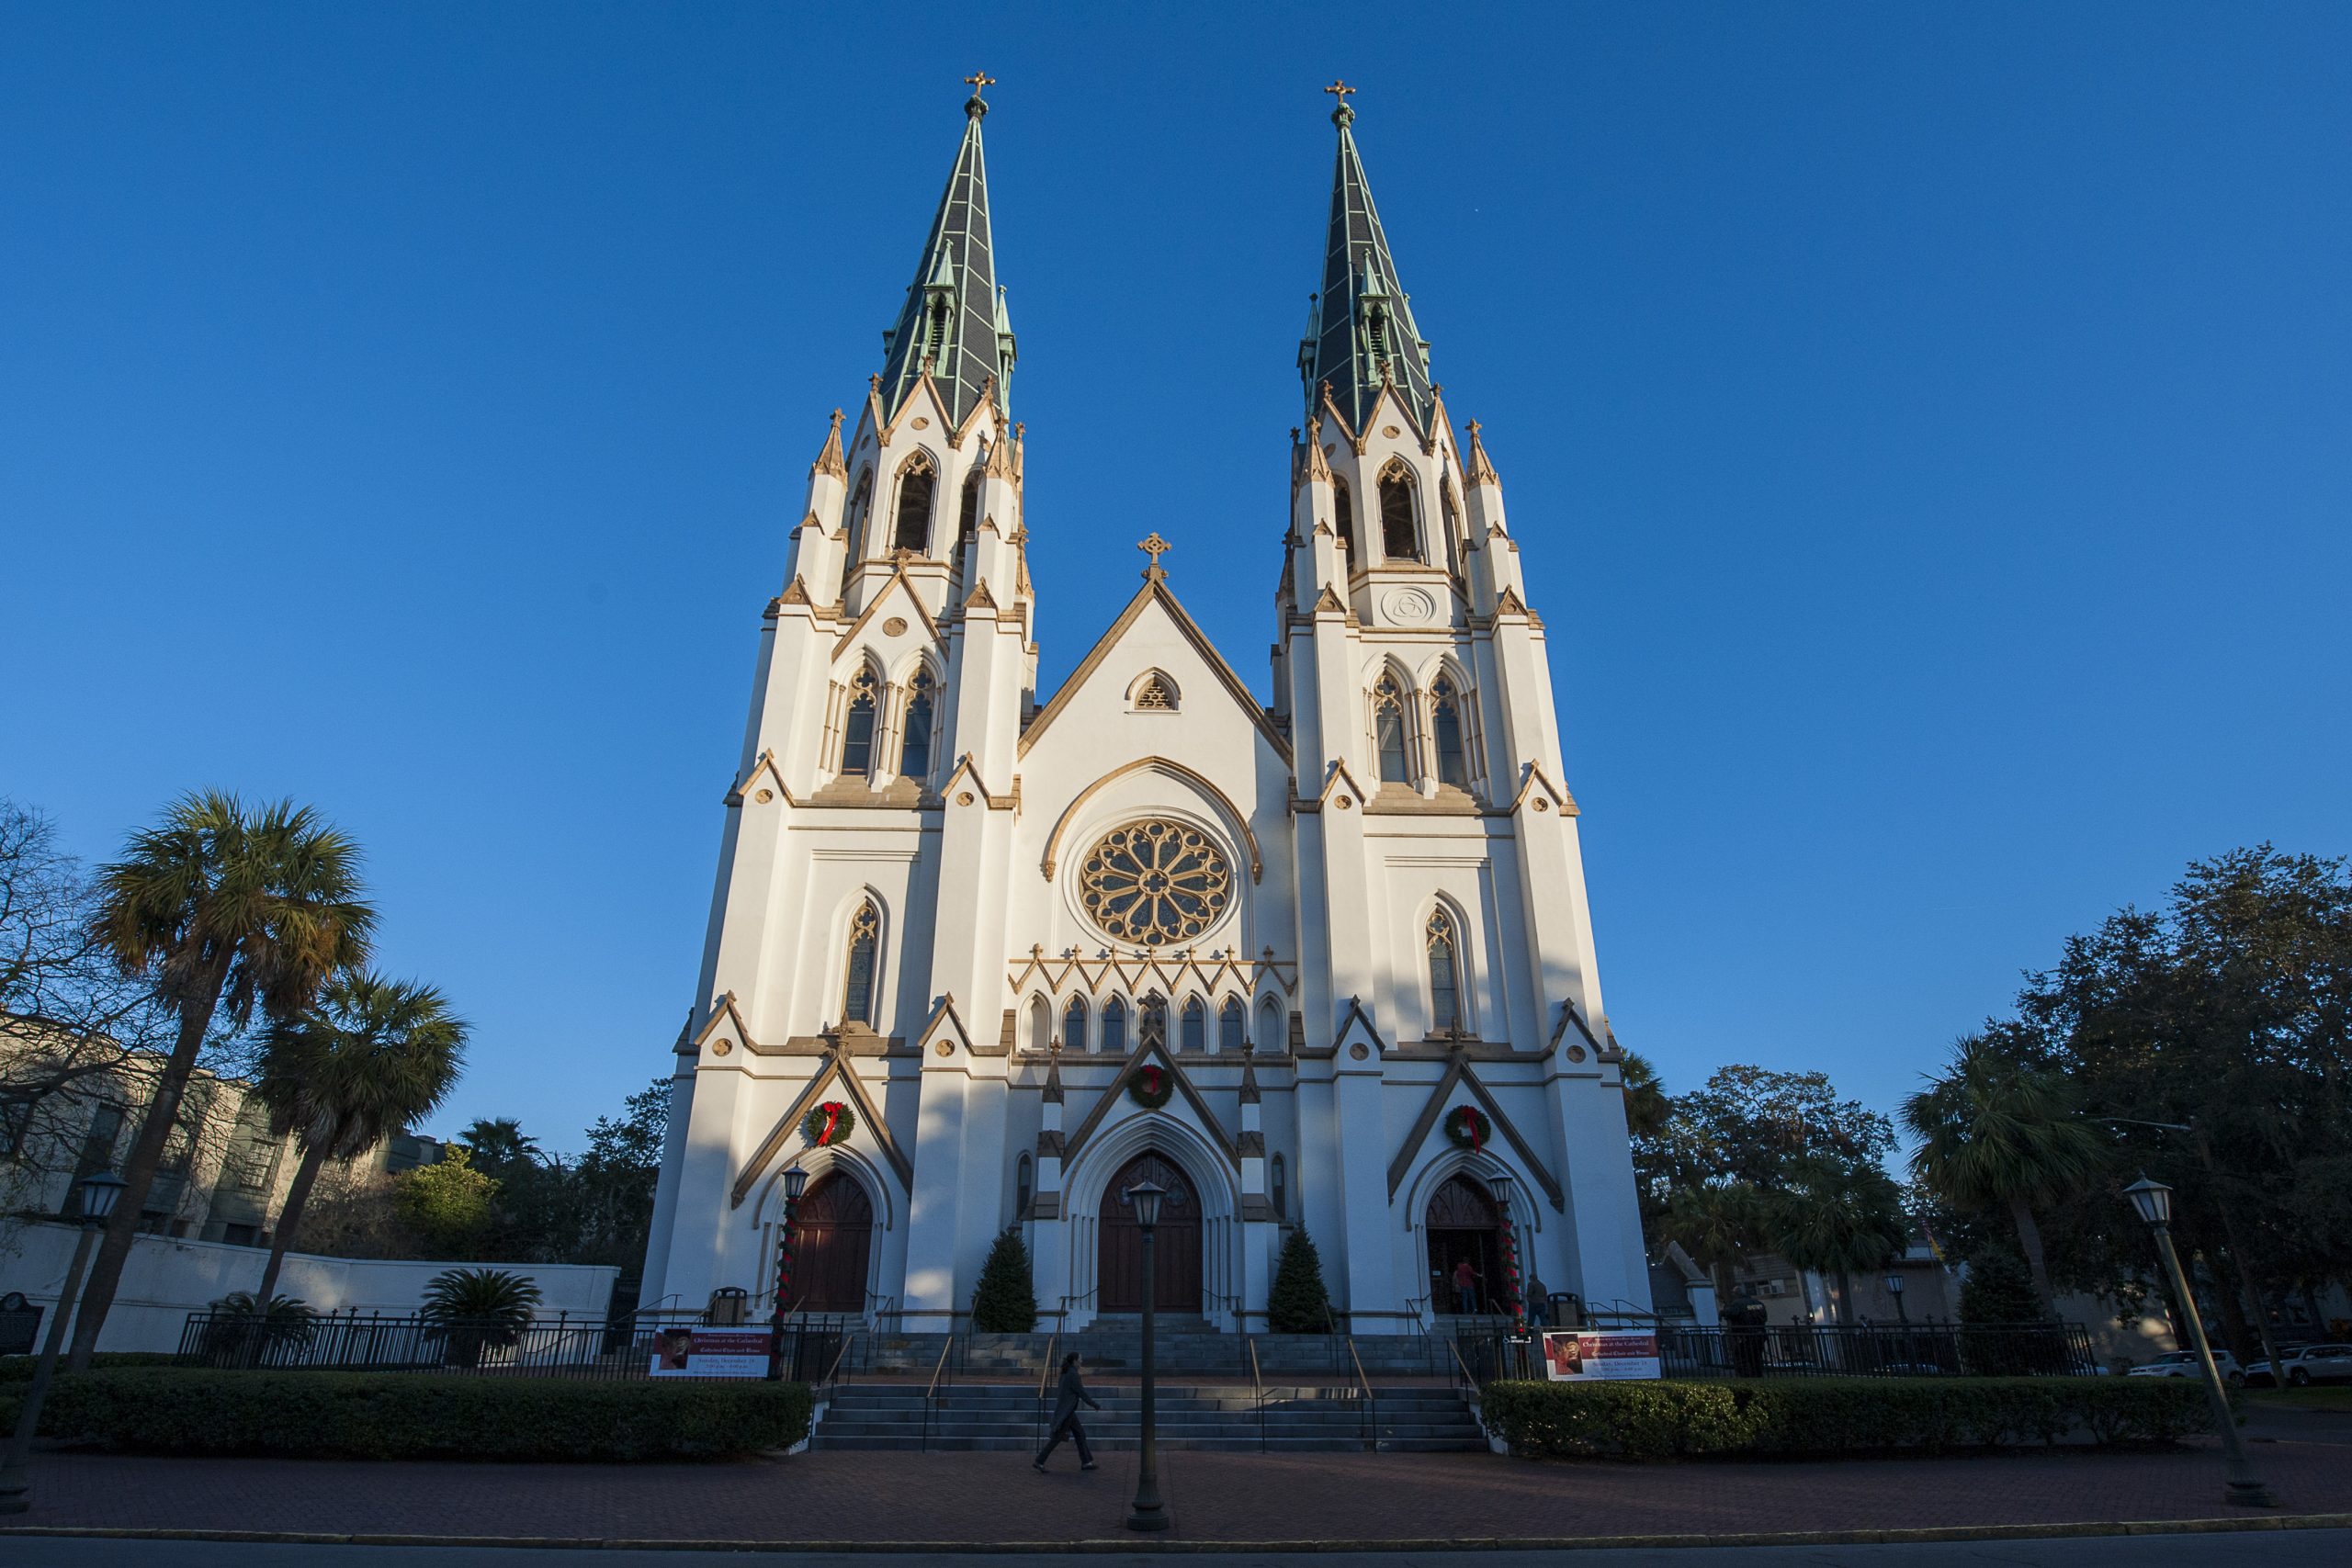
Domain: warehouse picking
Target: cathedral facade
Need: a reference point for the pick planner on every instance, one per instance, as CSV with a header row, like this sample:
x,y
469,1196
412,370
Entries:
x,y
983,957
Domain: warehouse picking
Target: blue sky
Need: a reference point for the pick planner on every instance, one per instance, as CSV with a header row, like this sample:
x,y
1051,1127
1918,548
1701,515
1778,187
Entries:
x,y
1925,428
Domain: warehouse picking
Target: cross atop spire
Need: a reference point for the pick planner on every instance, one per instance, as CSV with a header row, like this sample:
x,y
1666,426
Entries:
x,y
954,324
1360,334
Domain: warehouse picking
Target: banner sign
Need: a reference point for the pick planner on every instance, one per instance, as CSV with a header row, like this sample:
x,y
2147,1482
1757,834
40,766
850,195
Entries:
x,y
711,1353
1575,1357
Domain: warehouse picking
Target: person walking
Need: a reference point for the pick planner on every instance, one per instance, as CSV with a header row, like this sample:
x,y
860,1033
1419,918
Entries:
x,y
1073,1391
1538,1301
1465,1289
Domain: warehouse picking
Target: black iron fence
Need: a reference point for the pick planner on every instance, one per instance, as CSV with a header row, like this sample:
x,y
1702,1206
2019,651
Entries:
x,y
1799,1350
568,1348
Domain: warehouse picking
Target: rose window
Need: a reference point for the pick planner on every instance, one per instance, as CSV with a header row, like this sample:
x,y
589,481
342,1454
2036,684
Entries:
x,y
1155,883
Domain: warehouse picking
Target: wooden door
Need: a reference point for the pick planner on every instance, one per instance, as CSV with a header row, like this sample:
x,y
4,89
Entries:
x,y
832,1234
1119,1240
1463,1227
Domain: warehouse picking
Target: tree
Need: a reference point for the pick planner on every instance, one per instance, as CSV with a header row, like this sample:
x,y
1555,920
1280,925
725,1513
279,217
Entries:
x,y
1005,1301
500,1142
224,911
1837,1217
1998,1289
447,1205
1297,1303
2000,1133
473,1310
366,1060
616,1178
1715,1222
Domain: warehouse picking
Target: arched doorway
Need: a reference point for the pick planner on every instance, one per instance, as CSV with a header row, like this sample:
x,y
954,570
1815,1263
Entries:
x,y
832,1234
1463,1227
1119,1240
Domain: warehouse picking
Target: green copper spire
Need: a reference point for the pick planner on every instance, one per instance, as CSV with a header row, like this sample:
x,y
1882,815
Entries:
x,y
1360,334
954,323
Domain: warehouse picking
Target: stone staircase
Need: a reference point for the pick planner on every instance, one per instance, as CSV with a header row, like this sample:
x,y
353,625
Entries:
x,y
1296,1419
1185,1345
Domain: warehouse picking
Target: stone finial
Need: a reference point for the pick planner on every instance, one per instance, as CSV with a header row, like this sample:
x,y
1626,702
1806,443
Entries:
x,y
1155,546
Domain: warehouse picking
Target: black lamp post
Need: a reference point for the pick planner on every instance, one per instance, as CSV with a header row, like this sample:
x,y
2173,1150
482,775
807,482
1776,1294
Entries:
x,y
99,1192
1895,1289
1150,1513
2154,1200
795,1178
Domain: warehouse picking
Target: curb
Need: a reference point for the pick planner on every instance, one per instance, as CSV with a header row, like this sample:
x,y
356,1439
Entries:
x,y
2224,1526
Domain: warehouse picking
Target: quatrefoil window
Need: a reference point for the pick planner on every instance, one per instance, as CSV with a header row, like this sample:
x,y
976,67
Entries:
x,y
1155,883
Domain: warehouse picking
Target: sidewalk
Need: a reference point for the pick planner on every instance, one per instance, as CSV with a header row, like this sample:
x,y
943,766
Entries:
x,y
825,1499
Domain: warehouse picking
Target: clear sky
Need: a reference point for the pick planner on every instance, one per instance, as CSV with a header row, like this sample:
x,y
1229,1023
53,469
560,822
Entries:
x,y
1928,429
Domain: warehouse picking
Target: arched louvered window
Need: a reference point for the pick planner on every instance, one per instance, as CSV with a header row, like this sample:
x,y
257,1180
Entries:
x,y
1271,1036
1445,974
1230,1019
854,525
857,724
865,956
1388,731
1452,529
968,522
1115,1027
1345,510
1074,1025
1041,1024
1400,530
1445,726
914,746
916,482
1197,1026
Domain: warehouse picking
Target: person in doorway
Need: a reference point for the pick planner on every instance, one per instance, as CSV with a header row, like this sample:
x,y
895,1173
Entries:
x,y
1466,1288
1073,1393
1539,1302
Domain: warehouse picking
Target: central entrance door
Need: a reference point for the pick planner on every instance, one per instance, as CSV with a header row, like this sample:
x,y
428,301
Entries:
x,y
831,1234
1119,1248
1464,1228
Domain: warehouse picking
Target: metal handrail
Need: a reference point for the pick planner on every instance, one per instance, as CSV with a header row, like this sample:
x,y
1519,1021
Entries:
x,y
1461,1367
1044,1375
1258,1386
930,1394
831,1379
1371,1405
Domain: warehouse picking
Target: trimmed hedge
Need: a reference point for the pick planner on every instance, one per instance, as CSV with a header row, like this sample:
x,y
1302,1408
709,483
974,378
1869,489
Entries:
x,y
19,1369
421,1415
1701,1417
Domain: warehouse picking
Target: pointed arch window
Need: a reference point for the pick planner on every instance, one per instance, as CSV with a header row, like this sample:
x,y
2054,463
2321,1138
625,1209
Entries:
x,y
1041,1024
854,525
1074,1025
864,955
1388,731
968,521
1228,1026
916,482
1445,730
1021,1187
1279,1180
1343,508
1115,1027
857,724
1400,529
1452,529
1197,1026
915,748
1445,974
1270,1026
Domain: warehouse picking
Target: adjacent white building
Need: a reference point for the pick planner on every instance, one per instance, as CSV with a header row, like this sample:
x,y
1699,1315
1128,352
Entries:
x,y
984,956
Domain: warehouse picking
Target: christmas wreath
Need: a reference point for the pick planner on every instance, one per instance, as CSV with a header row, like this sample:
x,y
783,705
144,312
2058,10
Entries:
x,y
830,1123
1150,1086
1468,1129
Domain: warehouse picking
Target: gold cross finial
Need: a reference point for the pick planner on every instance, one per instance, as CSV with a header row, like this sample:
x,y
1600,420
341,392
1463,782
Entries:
x,y
977,80
1338,89
1155,546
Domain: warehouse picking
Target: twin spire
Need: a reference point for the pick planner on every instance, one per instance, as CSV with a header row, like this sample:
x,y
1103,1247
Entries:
x,y
1360,331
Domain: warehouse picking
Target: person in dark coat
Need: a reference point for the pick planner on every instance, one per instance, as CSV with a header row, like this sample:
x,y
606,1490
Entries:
x,y
1073,1393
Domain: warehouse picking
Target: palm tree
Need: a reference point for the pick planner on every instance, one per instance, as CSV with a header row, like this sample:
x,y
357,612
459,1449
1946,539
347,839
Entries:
x,y
366,1060
224,911
1996,1133
1647,1106
1835,1218
497,1141
473,1310
1715,1223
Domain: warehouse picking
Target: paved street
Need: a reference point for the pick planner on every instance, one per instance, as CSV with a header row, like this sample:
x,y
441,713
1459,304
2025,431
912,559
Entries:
x,y
2266,1549
924,1500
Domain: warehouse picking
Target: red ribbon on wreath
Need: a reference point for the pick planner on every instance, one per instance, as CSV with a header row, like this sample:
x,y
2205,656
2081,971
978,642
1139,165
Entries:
x,y
1465,1127
832,1111
1150,1086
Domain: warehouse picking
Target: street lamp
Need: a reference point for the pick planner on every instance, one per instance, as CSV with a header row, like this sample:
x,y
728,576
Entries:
x,y
99,1191
1150,1513
1895,1289
795,1178
2153,1200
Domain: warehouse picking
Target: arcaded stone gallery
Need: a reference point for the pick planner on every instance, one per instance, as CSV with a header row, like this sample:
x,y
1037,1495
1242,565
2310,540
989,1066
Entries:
x,y
985,956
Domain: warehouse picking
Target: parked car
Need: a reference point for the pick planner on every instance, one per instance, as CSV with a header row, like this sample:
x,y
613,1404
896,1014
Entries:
x,y
2305,1365
2183,1364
